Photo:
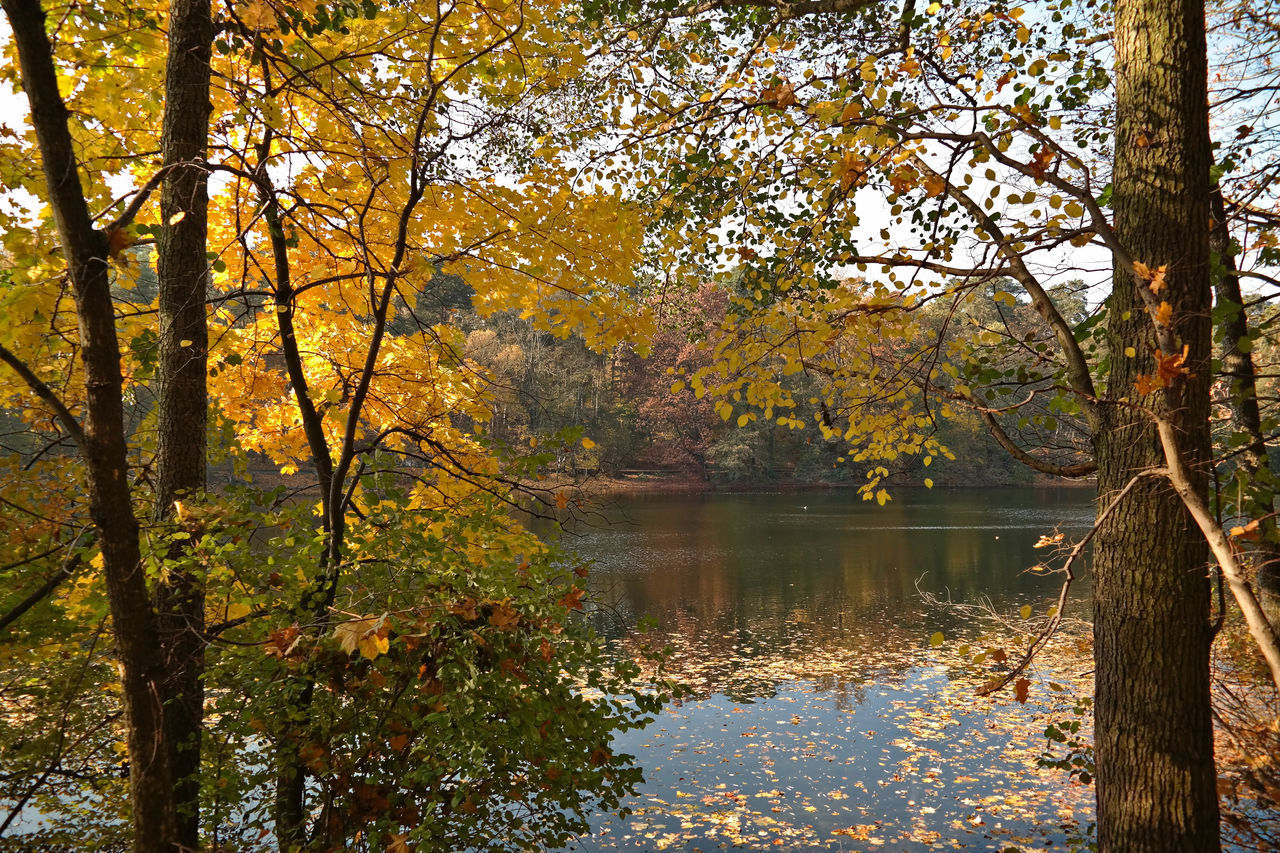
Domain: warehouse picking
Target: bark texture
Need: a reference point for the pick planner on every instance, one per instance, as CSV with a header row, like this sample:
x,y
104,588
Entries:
x,y
85,251
181,450
1154,735
1242,396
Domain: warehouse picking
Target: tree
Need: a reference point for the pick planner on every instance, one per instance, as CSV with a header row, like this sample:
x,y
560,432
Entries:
x,y
101,438
412,600
977,127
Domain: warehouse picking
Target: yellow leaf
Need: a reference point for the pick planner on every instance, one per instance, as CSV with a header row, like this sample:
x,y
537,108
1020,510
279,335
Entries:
x,y
1164,313
587,443
1130,352
937,639
367,634
177,217
1025,612
372,645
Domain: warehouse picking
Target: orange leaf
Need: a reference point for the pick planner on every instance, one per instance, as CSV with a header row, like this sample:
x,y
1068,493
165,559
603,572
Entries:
x,y
1020,689
1163,314
1040,162
1250,531
1169,367
780,96
1146,384
1141,270
934,185
572,600
562,500
1157,278
903,179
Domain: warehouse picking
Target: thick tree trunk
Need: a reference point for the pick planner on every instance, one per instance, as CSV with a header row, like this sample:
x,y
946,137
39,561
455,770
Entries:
x,y
1154,734
181,453
111,507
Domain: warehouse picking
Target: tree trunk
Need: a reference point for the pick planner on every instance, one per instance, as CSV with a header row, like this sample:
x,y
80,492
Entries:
x,y
1156,781
111,506
1237,366
181,453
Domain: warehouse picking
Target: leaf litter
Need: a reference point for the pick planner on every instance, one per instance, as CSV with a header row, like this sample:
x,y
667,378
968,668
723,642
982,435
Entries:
x,y
810,744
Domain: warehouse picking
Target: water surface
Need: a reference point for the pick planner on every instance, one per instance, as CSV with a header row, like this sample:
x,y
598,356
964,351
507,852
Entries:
x,y
820,714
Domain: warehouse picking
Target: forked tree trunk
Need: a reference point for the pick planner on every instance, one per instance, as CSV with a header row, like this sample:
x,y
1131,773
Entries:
x,y
85,250
1156,783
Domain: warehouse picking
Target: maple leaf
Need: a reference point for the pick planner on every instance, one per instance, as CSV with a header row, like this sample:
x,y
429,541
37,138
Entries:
x,y
1040,162
504,617
562,500
1157,279
259,15
572,600
367,634
903,179
282,642
934,185
1021,688
1169,367
1145,384
781,96
466,608
1163,314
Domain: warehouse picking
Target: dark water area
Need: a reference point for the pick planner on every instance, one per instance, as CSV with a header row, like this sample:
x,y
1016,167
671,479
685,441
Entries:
x,y
821,714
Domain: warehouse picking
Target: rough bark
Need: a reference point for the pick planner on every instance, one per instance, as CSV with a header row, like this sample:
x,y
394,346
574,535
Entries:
x,y
182,270
1242,397
1154,735
85,251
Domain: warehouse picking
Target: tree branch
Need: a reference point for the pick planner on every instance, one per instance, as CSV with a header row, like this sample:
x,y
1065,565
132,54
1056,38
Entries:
x,y
45,393
1082,469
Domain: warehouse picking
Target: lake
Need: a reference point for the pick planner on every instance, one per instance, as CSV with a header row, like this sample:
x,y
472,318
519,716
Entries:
x,y
822,713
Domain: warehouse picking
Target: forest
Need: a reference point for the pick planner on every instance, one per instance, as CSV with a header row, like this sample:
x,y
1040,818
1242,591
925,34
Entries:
x,y
315,315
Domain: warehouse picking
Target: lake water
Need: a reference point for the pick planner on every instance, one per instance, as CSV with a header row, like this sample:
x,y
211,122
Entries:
x,y
820,714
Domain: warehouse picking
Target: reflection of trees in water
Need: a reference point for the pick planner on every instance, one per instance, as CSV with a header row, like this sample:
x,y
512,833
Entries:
x,y
747,657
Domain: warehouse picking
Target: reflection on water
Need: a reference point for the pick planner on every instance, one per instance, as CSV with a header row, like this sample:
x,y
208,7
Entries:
x,y
821,718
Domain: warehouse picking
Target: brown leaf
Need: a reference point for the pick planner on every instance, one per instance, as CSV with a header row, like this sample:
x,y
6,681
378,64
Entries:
x,y
1021,687
1040,161
781,96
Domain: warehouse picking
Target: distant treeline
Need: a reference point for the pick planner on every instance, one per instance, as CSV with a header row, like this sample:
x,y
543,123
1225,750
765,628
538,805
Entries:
x,y
636,427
